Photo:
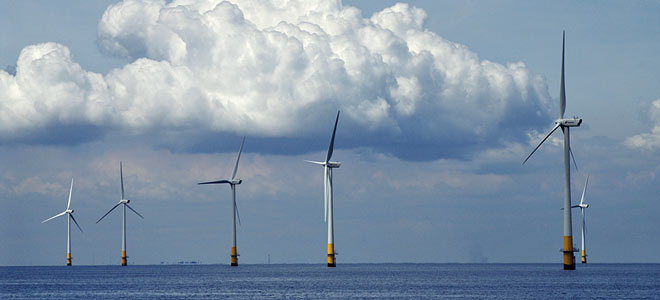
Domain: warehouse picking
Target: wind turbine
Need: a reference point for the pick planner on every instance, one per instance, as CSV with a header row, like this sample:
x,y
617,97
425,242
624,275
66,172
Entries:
x,y
69,213
123,201
582,207
232,183
327,195
565,124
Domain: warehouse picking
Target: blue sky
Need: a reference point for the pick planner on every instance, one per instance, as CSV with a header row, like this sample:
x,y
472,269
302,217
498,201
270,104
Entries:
x,y
440,100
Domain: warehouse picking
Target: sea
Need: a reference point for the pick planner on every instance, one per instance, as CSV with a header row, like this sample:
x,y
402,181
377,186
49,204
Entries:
x,y
346,281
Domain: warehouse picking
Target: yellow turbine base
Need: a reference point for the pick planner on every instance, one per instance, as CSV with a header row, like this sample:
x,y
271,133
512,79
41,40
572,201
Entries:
x,y
584,256
234,257
331,256
124,260
68,259
569,258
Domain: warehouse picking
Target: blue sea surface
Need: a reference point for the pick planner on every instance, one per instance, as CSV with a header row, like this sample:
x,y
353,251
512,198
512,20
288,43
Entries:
x,y
347,281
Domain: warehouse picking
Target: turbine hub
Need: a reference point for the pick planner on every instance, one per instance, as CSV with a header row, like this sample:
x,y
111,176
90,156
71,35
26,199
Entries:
x,y
575,122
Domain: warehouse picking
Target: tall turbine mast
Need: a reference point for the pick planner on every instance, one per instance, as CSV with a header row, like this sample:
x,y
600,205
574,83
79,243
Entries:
x,y
565,125
328,195
69,213
124,202
232,183
583,206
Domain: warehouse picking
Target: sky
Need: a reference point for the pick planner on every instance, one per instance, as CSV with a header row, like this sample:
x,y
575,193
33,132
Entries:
x,y
440,103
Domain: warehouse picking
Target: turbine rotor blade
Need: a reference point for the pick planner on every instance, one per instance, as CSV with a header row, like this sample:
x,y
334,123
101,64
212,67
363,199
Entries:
x,y
562,89
233,175
74,221
216,182
121,178
113,208
237,214
53,217
584,191
332,140
570,150
541,143
137,213
315,162
68,204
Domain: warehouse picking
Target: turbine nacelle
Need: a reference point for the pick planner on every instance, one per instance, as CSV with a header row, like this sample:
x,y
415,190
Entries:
x,y
124,201
330,164
69,211
575,122
235,181
581,206
333,164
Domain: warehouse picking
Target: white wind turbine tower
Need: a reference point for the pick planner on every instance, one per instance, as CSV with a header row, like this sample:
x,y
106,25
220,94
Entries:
x,y
123,201
328,196
69,213
582,207
232,183
565,124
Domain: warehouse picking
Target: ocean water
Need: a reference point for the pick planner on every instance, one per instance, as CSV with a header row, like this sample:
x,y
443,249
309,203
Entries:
x,y
347,281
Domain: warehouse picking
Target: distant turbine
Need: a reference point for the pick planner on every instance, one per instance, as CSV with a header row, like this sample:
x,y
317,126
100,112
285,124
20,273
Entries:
x,y
123,201
565,124
68,212
328,196
582,207
232,183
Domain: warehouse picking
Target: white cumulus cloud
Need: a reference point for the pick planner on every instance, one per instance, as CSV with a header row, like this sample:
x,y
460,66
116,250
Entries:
x,y
276,68
50,88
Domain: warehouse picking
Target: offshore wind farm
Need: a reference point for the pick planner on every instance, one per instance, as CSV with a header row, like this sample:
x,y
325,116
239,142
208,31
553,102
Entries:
x,y
439,102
